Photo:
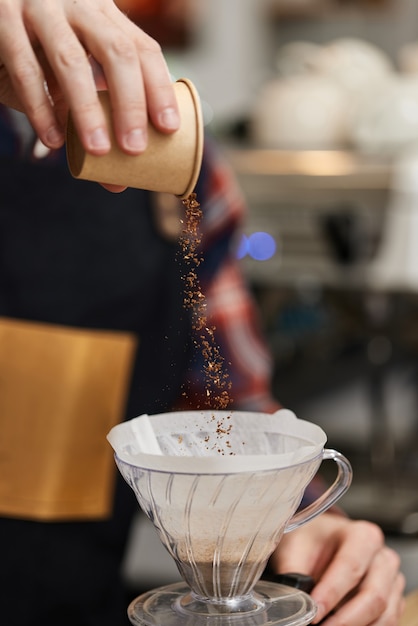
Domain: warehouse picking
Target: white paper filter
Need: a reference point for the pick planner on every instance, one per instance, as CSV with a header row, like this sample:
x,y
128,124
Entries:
x,y
216,441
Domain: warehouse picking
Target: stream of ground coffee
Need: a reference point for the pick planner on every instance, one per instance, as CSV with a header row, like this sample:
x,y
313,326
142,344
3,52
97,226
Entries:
x,y
216,379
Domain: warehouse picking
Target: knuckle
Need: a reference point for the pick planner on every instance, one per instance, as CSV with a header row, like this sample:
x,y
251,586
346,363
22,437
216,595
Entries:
x,y
122,48
25,72
149,45
69,57
373,531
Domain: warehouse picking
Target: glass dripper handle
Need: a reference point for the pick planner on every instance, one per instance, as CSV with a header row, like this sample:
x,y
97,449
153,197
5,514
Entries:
x,y
331,495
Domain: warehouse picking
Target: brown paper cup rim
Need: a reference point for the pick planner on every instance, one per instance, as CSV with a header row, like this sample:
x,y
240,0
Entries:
x,y
199,138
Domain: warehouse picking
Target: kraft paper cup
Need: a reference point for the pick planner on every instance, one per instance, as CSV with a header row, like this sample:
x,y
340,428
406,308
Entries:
x,y
170,163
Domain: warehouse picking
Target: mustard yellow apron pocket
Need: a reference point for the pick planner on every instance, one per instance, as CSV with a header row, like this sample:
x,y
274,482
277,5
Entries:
x,y
61,390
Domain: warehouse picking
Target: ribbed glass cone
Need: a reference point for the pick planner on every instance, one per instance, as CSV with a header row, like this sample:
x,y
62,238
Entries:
x,y
220,530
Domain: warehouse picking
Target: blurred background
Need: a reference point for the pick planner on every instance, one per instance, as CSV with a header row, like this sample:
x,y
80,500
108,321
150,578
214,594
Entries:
x,y
315,105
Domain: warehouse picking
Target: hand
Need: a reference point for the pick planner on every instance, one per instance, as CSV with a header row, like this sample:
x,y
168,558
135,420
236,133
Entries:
x,y
45,52
358,582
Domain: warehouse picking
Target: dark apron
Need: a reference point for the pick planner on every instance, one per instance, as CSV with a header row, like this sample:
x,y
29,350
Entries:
x,y
78,259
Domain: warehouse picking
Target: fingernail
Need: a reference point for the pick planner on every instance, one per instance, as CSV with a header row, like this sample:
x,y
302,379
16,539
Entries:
x,y
136,140
98,140
169,119
54,137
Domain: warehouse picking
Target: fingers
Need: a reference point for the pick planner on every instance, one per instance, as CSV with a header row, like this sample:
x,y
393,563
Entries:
x,y
376,601
70,65
160,97
135,72
359,545
25,76
371,607
359,582
157,85
68,32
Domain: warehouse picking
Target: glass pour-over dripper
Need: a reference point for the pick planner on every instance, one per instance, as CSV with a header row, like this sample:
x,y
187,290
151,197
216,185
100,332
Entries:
x,y
221,488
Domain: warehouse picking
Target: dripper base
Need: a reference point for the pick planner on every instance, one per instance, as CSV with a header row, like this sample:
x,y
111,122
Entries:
x,y
271,603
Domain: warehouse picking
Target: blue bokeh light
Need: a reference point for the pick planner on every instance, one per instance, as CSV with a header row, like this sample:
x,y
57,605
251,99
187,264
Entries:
x,y
261,246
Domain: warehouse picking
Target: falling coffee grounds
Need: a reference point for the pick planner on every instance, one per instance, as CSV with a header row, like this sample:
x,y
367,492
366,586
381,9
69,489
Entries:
x,y
217,383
